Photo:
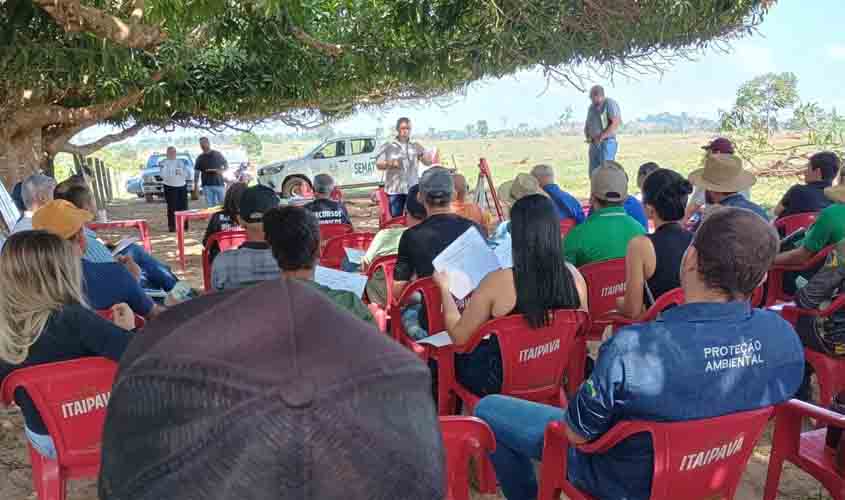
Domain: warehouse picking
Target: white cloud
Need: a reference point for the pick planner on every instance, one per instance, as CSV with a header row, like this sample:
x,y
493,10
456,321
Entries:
x,y
836,52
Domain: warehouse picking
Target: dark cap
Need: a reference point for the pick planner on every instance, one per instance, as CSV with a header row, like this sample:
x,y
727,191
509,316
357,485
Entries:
x,y
255,202
437,182
299,400
323,183
720,145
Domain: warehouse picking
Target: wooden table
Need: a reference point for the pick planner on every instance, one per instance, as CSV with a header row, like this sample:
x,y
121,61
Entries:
x,y
183,217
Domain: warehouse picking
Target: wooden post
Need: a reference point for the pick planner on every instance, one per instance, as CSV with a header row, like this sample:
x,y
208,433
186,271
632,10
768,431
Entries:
x,y
77,164
101,180
109,192
92,181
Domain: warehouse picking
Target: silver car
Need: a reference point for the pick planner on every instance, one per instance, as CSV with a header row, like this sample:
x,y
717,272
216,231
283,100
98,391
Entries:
x,y
351,161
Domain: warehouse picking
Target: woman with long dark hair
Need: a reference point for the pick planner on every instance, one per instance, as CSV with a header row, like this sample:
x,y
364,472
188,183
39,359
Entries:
x,y
653,261
225,219
540,282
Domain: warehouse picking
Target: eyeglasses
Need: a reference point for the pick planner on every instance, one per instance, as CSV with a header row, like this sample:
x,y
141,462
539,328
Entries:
x,y
404,128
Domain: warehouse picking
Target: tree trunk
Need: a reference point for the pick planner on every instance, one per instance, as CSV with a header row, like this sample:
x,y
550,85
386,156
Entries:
x,y
21,156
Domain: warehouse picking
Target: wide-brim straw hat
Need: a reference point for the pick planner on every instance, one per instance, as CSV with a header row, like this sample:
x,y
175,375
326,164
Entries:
x,y
722,173
836,193
521,186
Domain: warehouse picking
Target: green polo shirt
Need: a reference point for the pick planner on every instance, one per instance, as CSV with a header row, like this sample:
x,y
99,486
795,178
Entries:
x,y
603,236
345,300
828,229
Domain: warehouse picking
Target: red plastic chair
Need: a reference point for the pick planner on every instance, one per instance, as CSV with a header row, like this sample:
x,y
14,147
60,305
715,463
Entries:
x,y
605,283
329,231
337,194
566,225
791,223
674,297
333,252
384,217
534,361
387,263
433,310
139,224
774,286
830,371
225,240
71,398
806,450
684,463
463,438
108,315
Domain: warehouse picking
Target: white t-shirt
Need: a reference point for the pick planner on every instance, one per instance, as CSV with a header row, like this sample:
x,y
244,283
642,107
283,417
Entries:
x,y
174,173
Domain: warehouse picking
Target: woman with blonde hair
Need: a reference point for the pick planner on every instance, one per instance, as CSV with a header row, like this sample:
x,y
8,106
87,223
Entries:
x,y
44,317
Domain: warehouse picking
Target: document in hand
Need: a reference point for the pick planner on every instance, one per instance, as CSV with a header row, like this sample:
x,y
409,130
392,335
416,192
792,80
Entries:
x,y
467,261
123,245
339,280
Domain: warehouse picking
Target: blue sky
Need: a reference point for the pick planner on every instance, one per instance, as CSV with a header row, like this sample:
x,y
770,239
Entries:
x,y
806,37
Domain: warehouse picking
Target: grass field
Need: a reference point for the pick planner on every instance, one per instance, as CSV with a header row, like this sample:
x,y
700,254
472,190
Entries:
x,y
568,156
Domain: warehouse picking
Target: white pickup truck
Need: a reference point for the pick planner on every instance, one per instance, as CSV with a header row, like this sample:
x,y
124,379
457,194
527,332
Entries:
x,y
351,161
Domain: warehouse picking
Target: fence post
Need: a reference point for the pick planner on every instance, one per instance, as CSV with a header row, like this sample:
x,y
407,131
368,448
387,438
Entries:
x,y
109,191
95,188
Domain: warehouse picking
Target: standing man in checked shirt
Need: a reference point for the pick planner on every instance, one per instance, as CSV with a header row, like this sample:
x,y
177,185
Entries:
x,y
603,120
399,160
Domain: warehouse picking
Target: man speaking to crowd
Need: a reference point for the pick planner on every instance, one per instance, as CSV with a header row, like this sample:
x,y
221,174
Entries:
x,y
603,120
399,161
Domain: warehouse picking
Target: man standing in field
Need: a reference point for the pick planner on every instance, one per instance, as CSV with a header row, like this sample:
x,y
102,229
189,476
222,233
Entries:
x,y
211,165
399,161
603,120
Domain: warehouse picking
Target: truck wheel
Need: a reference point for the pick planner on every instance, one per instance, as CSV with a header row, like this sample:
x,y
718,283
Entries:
x,y
149,197
293,187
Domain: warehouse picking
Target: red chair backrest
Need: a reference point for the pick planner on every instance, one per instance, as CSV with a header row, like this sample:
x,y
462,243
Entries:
x,y
329,231
71,398
433,306
383,207
333,253
605,282
108,315
387,263
566,225
673,297
225,240
141,225
792,223
402,220
337,194
534,360
463,438
701,458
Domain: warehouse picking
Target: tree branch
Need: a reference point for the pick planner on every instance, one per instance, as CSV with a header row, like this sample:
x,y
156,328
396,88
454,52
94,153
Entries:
x,y
331,49
91,147
77,18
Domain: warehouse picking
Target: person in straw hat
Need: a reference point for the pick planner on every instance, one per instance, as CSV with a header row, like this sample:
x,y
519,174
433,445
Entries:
x,y
606,232
509,192
723,179
828,229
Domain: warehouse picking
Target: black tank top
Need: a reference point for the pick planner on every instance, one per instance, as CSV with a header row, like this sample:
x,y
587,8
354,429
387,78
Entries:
x,y
670,241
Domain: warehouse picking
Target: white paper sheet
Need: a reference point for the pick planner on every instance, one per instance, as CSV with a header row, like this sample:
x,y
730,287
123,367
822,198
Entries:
x,y
441,339
467,261
504,255
340,280
354,255
122,244
779,307
8,209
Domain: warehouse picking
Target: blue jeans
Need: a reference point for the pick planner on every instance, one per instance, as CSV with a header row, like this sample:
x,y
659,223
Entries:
x,y
214,195
154,274
605,150
519,427
397,204
42,444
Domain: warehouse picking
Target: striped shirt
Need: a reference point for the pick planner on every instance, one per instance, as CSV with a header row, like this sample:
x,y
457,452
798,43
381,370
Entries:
x,y
95,251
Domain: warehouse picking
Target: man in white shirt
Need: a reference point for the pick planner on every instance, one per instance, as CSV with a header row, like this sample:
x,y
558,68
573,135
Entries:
x,y
399,160
174,176
36,191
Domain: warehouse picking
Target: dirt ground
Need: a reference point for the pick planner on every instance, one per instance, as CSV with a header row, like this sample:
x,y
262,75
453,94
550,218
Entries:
x,y
15,477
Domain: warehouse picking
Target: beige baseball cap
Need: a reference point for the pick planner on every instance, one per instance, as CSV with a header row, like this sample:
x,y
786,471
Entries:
x,y
609,182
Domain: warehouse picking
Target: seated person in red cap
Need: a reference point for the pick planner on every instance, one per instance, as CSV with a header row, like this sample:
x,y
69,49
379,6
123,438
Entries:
x,y
105,283
821,171
294,236
253,261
